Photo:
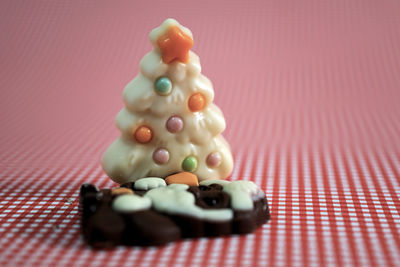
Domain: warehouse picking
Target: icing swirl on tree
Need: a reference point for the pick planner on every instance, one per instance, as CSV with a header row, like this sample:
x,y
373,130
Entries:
x,y
169,123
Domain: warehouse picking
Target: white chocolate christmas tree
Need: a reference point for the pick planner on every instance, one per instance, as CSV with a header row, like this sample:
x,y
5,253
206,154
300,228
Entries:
x,y
169,123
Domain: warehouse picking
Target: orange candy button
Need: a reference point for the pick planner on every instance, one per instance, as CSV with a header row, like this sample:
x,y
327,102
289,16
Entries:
x,y
183,178
121,191
196,102
143,134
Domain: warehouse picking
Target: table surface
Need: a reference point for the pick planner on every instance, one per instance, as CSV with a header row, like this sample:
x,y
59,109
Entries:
x,y
310,91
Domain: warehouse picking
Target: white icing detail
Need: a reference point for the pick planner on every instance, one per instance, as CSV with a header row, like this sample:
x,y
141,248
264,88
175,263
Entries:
x,y
130,203
209,182
177,71
152,65
179,187
241,193
194,67
260,194
149,183
174,199
138,95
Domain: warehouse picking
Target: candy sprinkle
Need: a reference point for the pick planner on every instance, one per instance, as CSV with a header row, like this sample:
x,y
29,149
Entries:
x,y
161,156
143,134
196,102
189,164
163,86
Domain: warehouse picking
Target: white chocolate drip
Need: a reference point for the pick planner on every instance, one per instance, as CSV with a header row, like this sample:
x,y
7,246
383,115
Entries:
x,y
174,199
242,193
130,203
149,183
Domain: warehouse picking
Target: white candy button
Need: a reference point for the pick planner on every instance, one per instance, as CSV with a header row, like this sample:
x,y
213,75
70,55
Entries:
x,y
149,183
130,203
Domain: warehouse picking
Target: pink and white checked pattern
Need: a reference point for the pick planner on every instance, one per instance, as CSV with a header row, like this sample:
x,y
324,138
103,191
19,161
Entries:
x,y
310,90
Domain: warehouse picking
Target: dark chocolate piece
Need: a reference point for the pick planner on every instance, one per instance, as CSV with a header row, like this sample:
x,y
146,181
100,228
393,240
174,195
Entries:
x,y
106,225
148,228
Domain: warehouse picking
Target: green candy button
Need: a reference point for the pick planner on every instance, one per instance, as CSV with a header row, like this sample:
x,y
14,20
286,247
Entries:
x,y
189,164
163,86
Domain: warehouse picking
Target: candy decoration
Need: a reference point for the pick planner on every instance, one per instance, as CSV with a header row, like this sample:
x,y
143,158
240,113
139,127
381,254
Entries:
x,y
189,164
163,86
213,160
196,102
174,124
130,203
161,156
187,178
121,191
175,45
143,134
148,183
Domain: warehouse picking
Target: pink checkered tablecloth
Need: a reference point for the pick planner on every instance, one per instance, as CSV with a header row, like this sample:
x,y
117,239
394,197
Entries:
x,y
310,91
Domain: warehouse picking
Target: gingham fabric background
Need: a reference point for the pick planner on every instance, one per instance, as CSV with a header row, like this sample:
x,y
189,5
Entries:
x,y
310,91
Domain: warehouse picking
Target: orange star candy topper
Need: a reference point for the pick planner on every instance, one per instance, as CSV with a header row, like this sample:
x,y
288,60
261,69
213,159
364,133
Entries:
x,y
175,45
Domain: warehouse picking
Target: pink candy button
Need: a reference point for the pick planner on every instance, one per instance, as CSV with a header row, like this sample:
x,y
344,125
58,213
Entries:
x,y
213,160
174,124
161,156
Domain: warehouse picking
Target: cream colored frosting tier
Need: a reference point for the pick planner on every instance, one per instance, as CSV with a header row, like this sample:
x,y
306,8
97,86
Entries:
x,y
128,160
139,95
198,128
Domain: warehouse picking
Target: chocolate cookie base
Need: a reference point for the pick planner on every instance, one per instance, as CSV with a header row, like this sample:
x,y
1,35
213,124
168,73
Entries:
x,y
103,227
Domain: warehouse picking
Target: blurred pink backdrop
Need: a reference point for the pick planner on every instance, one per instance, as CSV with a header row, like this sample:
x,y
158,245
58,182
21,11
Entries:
x,y
310,91
282,72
